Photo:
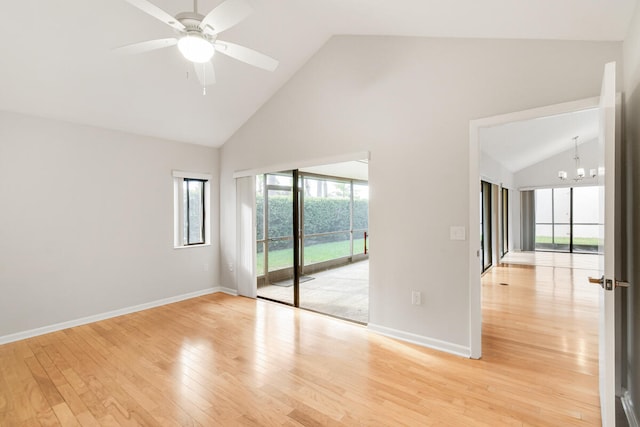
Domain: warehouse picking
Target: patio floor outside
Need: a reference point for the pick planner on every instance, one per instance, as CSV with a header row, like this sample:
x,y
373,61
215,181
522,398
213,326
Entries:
x,y
342,292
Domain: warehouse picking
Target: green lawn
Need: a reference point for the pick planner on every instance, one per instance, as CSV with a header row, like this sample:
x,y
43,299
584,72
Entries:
x,y
312,254
583,241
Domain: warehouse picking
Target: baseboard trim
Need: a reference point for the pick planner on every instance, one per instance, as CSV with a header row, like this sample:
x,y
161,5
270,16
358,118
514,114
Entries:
x,y
627,404
224,290
109,314
421,340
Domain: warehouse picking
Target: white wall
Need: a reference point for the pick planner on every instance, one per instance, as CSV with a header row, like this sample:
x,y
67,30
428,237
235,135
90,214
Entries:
x,y
545,173
86,222
409,102
493,171
631,223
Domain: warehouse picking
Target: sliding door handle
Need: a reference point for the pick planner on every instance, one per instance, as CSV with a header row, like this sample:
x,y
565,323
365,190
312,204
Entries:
x,y
597,281
601,282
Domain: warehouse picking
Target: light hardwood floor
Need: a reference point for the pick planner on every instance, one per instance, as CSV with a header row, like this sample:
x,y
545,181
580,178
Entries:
x,y
222,360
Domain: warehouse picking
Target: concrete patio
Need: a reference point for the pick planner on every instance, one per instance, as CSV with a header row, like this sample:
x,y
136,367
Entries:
x,y
341,292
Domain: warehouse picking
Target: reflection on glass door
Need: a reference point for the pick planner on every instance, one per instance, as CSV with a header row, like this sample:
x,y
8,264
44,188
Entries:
x,y
275,237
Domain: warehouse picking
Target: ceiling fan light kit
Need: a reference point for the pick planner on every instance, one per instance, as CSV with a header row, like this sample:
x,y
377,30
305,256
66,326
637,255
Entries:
x,y
195,48
197,37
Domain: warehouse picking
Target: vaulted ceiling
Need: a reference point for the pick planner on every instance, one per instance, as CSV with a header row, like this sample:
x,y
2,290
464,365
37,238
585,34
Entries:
x,y
57,57
518,145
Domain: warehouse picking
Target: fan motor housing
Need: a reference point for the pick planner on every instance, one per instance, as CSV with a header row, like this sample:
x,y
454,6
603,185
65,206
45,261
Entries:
x,y
191,20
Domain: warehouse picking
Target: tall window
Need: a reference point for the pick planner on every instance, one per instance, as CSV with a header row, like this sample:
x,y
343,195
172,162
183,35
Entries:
x,y
193,211
191,201
567,219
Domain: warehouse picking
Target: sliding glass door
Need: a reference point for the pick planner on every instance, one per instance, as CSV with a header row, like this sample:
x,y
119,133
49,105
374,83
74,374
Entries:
x,y
485,225
275,237
335,223
310,239
567,219
553,219
586,226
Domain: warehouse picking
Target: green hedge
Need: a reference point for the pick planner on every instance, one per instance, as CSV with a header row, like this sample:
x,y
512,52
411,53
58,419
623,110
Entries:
x,y
321,215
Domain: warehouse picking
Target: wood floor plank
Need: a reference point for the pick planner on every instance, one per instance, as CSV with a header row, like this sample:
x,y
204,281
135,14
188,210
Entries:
x,y
47,387
86,419
65,416
39,404
223,360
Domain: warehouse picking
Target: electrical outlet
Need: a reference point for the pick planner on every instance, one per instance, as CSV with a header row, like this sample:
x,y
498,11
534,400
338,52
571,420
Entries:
x,y
231,267
416,298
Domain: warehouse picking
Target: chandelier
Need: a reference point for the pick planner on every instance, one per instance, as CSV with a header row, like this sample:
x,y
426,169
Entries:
x,y
580,175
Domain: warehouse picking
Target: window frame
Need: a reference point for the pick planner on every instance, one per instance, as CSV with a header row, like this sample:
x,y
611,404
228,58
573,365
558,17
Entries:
x,y
179,178
186,237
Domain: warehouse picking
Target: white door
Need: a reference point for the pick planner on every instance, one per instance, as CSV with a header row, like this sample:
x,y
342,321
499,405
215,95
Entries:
x,y
607,302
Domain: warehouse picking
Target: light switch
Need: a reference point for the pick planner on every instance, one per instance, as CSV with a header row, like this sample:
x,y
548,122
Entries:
x,y
457,232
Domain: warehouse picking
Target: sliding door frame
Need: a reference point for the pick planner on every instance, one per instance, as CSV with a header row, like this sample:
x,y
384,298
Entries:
x,y
486,192
296,238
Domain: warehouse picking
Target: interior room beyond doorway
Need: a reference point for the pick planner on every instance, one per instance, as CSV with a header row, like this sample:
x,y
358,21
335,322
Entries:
x,y
539,307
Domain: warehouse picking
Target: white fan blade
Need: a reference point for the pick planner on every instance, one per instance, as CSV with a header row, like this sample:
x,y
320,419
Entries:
x,y
226,15
156,12
147,46
247,55
205,72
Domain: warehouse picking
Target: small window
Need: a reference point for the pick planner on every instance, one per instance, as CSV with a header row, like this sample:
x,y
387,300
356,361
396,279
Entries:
x,y
193,214
191,205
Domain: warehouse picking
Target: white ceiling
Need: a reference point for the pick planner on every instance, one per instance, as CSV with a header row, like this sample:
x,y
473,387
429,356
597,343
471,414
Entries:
x,y
57,58
521,144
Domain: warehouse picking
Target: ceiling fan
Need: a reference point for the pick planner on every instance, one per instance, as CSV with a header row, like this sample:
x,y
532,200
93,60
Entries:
x,y
197,37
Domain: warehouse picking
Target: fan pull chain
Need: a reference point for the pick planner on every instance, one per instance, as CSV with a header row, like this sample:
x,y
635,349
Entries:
x,y
204,79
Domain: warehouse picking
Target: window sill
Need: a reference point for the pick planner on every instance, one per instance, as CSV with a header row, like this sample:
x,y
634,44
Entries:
x,y
192,246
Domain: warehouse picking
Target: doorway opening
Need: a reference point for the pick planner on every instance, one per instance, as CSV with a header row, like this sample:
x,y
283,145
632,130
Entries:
x,y
512,214
607,107
312,239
